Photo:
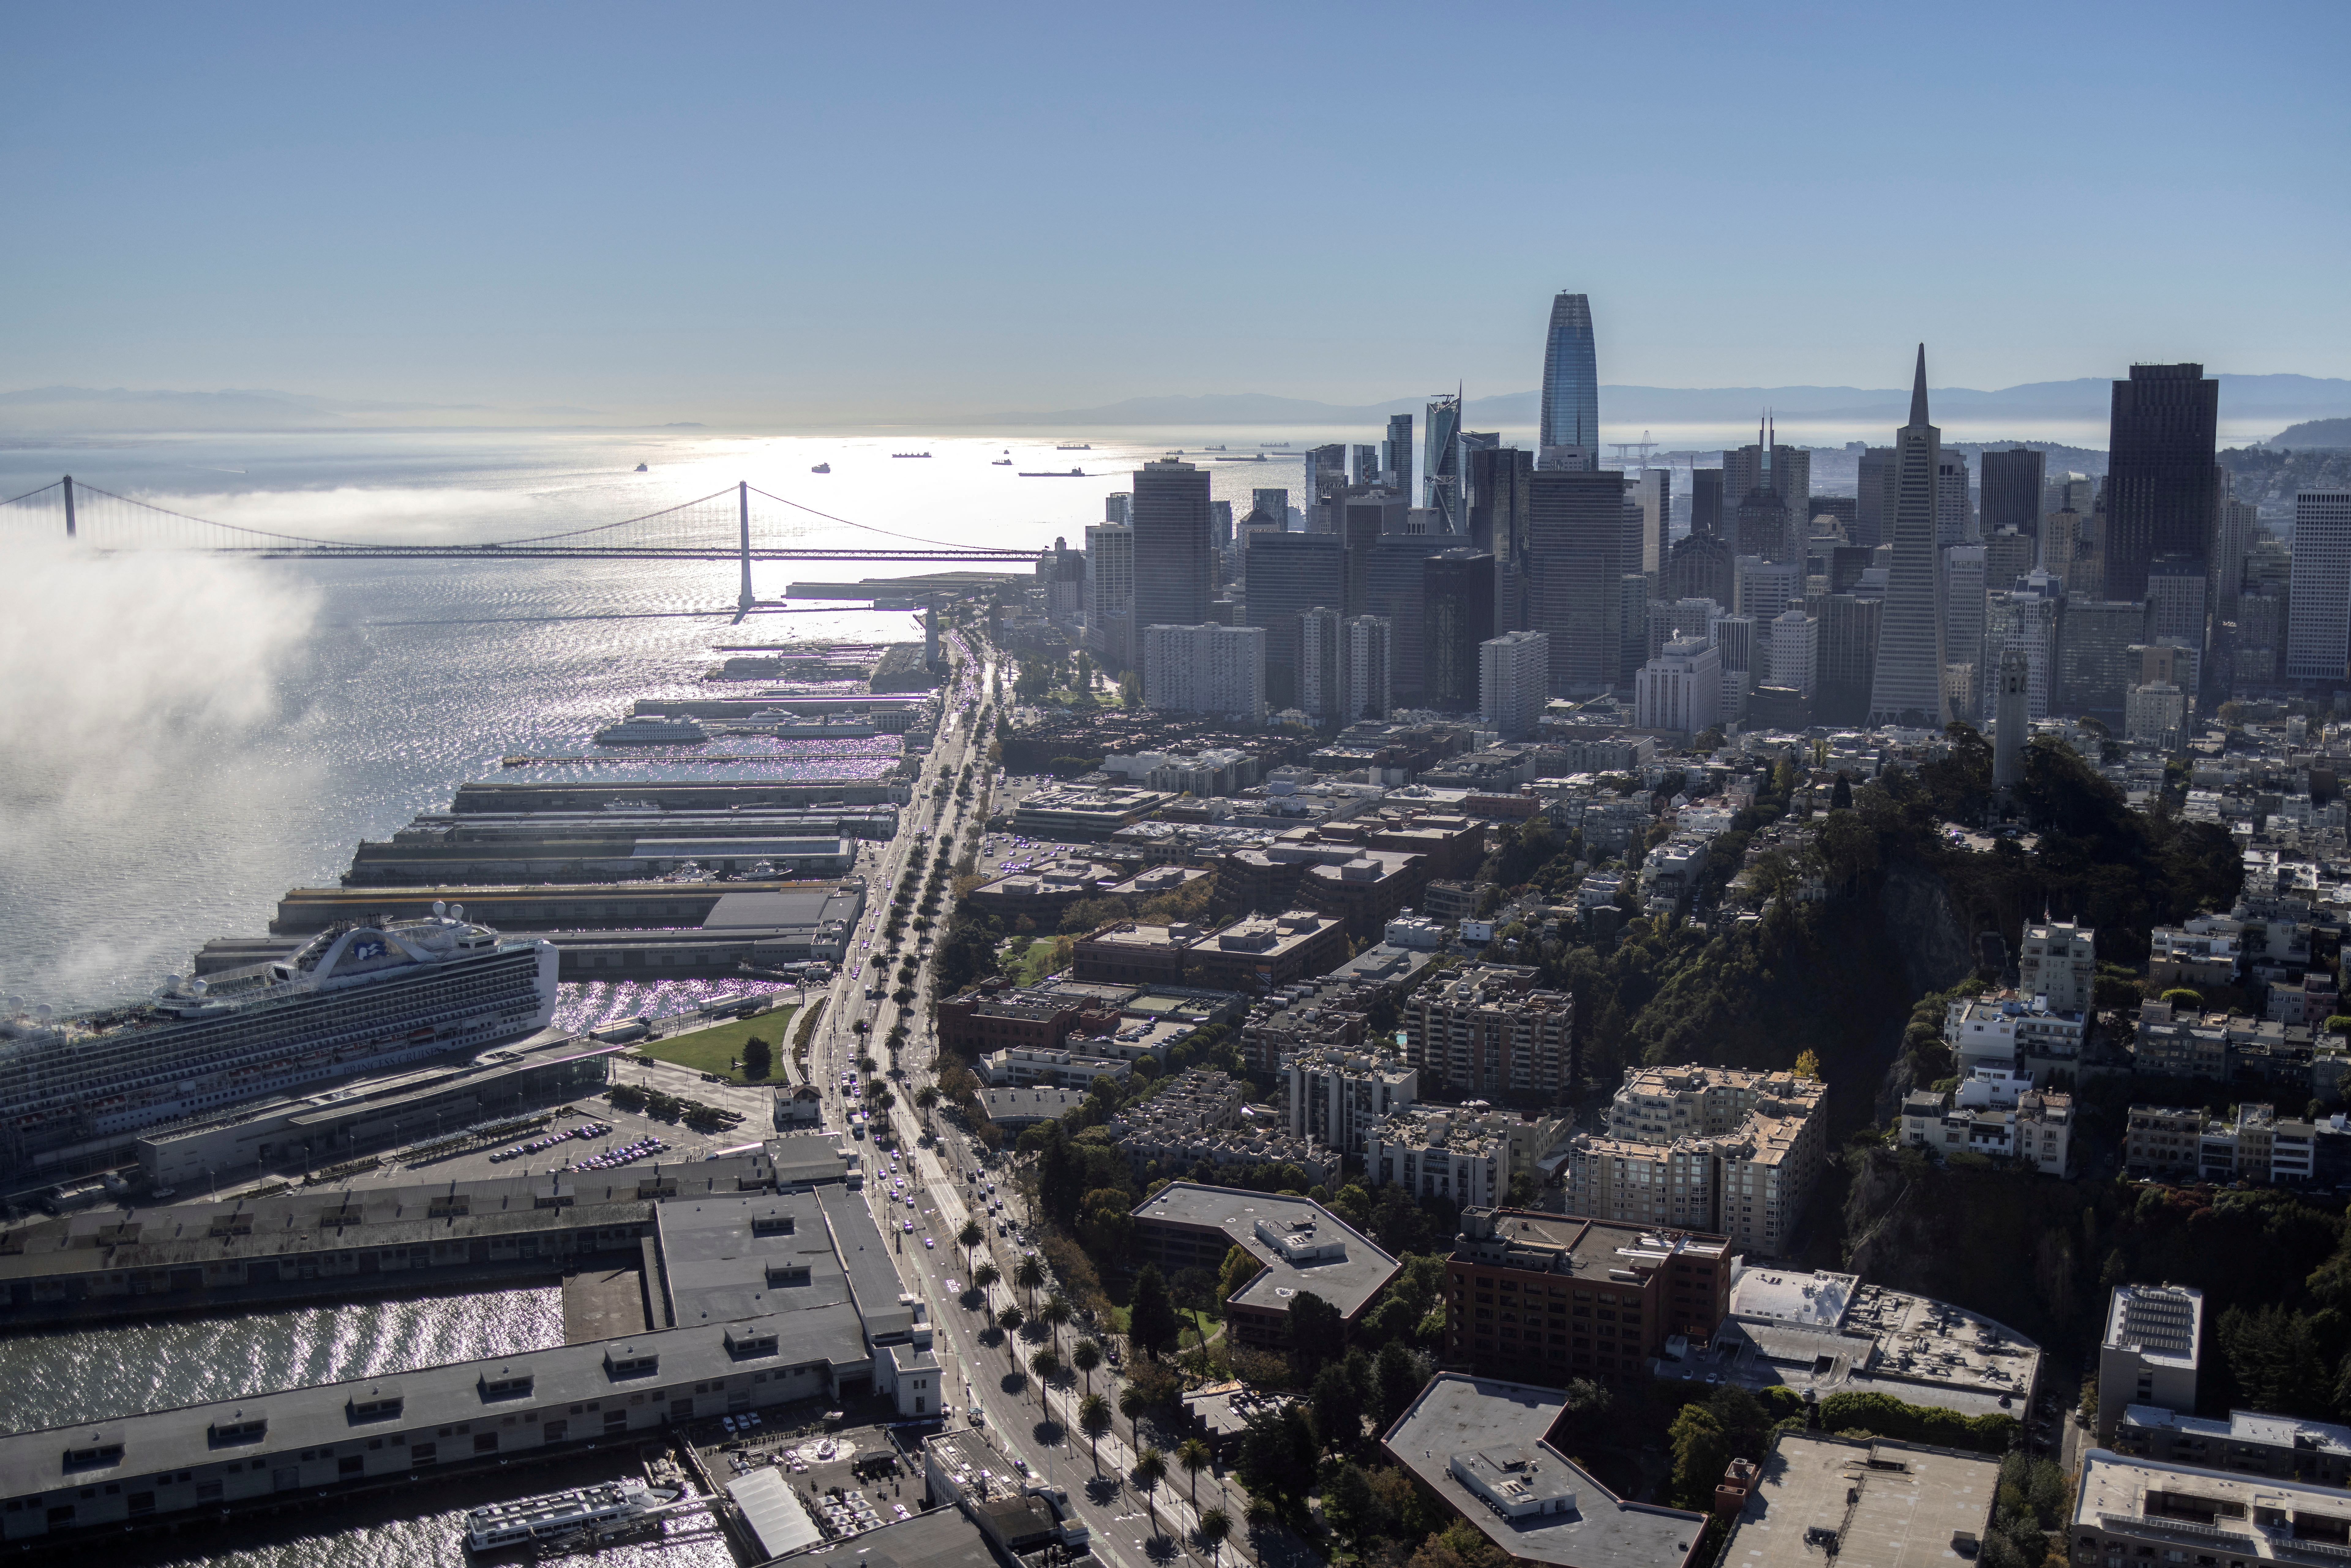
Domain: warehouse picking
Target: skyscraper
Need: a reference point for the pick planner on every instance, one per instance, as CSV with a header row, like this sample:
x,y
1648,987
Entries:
x,y
1110,593
1369,661
1848,652
2010,485
1497,522
1574,574
1364,521
1706,503
2236,523
1172,550
1783,471
2318,624
2159,467
1395,454
1440,465
1654,490
1952,517
1457,600
1272,506
2093,669
1322,666
1513,676
1569,434
1873,497
1289,574
1394,581
1908,678
1206,669
1367,462
1964,585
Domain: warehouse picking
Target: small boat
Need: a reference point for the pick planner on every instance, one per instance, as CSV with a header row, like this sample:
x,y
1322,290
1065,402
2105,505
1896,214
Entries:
x,y
641,468
821,468
1055,473
1001,462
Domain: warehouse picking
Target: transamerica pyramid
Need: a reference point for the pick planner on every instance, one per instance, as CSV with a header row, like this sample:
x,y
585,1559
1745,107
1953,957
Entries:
x,y
1907,686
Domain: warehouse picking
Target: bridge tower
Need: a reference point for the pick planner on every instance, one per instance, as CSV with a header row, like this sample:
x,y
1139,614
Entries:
x,y
70,511
743,601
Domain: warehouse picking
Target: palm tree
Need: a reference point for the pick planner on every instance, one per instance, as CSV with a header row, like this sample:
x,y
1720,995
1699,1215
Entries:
x,y
1150,1469
1085,1356
1029,1274
983,1276
1055,1314
969,1237
1194,1457
1215,1526
1094,1419
925,1097
1131,1404
1044,1364
1009,1320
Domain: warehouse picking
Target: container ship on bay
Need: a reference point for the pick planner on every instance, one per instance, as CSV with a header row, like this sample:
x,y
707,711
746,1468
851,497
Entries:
x,y
354,999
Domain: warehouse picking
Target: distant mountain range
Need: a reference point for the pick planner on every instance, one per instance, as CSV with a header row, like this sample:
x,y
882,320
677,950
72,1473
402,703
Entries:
x,y
122,408
2328,433
2278,397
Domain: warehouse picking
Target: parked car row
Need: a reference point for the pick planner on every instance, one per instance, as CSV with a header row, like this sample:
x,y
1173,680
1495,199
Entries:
x,y
627,1154
524,1151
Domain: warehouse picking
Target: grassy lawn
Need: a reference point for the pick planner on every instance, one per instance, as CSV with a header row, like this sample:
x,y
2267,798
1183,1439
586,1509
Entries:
x,y
1189,1321
713,1050
1034,966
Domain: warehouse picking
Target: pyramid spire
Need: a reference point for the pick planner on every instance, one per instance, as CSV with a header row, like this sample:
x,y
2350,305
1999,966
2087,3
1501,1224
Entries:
x,y
1918,390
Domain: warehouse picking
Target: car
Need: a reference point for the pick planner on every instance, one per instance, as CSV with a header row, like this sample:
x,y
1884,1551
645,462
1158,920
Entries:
x,y
978,1416
907,1226
926,1243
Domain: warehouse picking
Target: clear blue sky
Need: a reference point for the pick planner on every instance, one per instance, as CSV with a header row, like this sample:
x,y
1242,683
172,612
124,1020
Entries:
x,y
889,209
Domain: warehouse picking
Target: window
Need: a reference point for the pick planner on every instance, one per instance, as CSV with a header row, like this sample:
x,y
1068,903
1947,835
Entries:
x,y
485,1442
424,1453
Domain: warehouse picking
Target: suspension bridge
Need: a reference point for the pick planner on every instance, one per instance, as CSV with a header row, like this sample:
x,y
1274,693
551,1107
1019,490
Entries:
x,y
741,523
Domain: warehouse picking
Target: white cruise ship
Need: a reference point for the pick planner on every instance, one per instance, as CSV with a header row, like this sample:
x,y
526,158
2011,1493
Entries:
x,y
652,732
558,1513
354,999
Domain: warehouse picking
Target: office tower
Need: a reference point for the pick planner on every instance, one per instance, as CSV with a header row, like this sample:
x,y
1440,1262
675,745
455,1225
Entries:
x,y
1653,492
1498,502
1872,492
1367,462
1440,468
1632,626
1796,651
1784,471
2094,668
1364,521
1845,564
1680,689
1061,573
2234,528
1370,663
2009,487
1570,423
2060,544
1762,589
2012,724
2075,493
1206,668
1394,581
1268,505
1844,508
1693,618
1908,676
1172,562
2008,555
2159,463
1395,454
1735,640
1457,600
1326,471
1110,593
1765,527
1322,666
1220,524
2022,621
1574,574
1848,652
1513,681
1702,566
1289,574
1118,506
1706,503
1954,525
1964,584
2318,620
2174,599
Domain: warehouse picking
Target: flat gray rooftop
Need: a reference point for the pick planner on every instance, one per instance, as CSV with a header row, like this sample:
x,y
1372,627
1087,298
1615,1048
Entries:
x,y
1456,1413
1911,1501
1347,1282
942,1538
873,1283
741,1256
801,906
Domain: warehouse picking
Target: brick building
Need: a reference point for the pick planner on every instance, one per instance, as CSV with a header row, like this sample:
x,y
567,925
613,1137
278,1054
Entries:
x,y
992,1016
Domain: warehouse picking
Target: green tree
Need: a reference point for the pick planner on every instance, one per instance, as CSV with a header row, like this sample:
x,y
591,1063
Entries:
x,y
1009,1320
1338,1408
1277,1455
1316,1331
1194,1456
1085,1356
1150,1469
1397,1377
758,1060
1131,1403
1029,1274
1151,1319
1047,1365
983,1276
1701,1453
1055,1314
1216,1528
1094,1420
1240,1266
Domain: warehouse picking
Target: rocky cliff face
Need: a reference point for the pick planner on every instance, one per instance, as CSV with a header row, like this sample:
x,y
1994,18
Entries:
x,y
1923,927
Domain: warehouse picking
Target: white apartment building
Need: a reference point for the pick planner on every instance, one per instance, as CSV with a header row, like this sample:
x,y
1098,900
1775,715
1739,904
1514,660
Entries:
x,y
1795,650
1993,1119
1439,1152
1017,1067
2156,713
1680,689
2058,963
1110,584
1513,682
2004,1029
1366,651
2149,1353
1206,669
1482,1032
1336,1097
1724,1150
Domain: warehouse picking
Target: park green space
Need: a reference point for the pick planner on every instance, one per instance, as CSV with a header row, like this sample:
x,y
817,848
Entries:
x,y
719,1047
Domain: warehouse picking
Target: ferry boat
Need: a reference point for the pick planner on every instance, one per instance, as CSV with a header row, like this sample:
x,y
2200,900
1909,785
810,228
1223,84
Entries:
x,y
356,997
504,1524
652,732
821,468
1001,462
1075,446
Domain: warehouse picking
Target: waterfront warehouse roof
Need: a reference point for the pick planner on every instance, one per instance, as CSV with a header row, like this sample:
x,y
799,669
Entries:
x,y
1497,1432
1888,1505
873,1283
744,1255
943,1538
1303,1245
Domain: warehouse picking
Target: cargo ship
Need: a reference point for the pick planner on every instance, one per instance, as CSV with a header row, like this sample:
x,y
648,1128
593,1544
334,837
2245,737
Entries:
x,y
1055,473
357,997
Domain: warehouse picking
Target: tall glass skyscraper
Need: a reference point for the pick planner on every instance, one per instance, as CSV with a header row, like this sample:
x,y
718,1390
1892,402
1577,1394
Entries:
x,y
1570,388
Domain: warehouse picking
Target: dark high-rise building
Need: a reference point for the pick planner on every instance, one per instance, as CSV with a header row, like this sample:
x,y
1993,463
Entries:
x,y
1784,471
1701,567
1570,433
1396,451
1706,502
1174,554
1363,520
1575,567
2160,498
1765,527
1288,575
1498,523
1873,495
2010,487
1848,655
1440,465
1457,605
1906,680
1847,563
1394,583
